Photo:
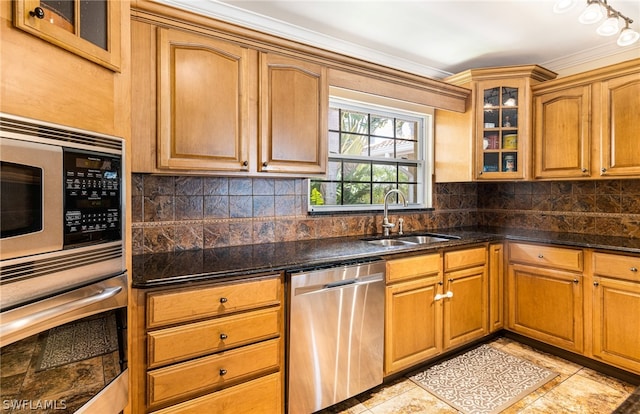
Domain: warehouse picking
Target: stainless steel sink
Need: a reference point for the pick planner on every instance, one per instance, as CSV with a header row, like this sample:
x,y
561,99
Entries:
x,y
412,240
389,242
423,239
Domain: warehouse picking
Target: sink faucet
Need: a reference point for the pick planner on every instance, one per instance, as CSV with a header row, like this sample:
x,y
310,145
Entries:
x,y
385,221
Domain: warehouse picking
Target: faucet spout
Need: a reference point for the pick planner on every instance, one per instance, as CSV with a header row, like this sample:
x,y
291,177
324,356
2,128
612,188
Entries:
x,y
385,221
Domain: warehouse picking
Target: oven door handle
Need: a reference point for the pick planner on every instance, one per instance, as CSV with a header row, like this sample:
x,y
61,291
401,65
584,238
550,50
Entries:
x,y
33,320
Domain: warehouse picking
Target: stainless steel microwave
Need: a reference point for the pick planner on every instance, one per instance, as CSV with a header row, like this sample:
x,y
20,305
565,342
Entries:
x,y
61,209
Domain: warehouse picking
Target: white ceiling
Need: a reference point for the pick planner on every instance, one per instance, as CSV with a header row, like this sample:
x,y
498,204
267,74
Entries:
x,y
435,38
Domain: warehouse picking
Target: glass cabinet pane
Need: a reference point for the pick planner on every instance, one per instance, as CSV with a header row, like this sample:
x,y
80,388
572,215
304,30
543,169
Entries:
x,y
491,97
93,15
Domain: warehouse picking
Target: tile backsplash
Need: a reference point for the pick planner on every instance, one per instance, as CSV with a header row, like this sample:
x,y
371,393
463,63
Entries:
x,y
184,212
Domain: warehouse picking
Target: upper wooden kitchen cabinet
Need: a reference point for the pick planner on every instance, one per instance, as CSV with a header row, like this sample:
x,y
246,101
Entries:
x,y
207,104
586,125
294,103
491,141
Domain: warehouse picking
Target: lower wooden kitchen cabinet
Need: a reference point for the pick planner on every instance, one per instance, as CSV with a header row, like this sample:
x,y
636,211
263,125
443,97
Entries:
x,y
616,310
214,348
426,314
545,294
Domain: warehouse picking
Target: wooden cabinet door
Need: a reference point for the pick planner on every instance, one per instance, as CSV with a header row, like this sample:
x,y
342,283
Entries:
x,y
616,322
465,306
562,134
496,287
619,129
294,104
204,92
546,304
413,323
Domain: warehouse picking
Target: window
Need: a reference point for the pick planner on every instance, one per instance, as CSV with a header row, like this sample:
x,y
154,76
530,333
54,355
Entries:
x,y
373,149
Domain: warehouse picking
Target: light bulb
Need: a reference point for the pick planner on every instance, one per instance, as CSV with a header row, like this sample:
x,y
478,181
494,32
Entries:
x,y
628,36
592,14
563,6
609,27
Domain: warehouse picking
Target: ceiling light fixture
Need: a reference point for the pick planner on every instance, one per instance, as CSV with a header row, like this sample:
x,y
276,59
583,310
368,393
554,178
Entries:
x,y
595,11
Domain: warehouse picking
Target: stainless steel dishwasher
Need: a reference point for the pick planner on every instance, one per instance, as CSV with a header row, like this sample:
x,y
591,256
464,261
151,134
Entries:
x,y
336,334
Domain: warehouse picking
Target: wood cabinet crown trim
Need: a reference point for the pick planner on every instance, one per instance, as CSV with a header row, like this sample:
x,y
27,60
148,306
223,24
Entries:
x,y
456,97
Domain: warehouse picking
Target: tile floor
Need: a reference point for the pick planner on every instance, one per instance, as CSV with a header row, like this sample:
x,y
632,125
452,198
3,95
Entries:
x,y
576,390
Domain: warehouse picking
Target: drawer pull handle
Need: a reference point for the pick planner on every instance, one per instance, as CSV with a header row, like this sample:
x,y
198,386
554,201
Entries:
x,y
634,269
540,256
223,371
223,336
223,300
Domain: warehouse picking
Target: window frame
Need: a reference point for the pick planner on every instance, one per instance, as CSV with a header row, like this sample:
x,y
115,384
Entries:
x,y
361,102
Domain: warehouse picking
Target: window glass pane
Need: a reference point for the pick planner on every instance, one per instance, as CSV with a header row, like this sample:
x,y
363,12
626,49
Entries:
x,y
355,122
410,191
354,144
334,170
385,173
491,97
356,193
334,114
381,126
407,150
406,129
510,96
356,171
382,147
93,22
60,13
324,193
334,142
379,190
407,173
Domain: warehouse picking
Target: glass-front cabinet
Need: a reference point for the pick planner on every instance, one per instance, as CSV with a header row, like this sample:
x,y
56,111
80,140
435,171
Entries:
x,y
500,154
88,28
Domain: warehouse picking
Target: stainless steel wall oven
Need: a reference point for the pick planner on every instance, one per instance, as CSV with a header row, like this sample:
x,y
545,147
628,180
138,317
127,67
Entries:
x,y
63,282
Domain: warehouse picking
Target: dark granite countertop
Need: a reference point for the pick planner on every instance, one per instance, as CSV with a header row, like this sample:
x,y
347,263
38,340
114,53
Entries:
x,y
182,267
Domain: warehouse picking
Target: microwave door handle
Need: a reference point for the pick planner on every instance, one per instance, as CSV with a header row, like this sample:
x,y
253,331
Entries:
x,y
6,330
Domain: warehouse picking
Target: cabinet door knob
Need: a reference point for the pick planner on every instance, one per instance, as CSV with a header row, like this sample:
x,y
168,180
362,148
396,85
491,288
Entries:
x,y
596,284
584,170
634,269
223,300
245,163
603,170
480,173
264,164
540,256
223,336
222,371
576,281
38,12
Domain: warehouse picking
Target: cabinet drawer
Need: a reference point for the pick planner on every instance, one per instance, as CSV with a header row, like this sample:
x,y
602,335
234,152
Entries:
x,y
183,342
538,255
410,267
196,303
184,380
260,395
460,259
623,267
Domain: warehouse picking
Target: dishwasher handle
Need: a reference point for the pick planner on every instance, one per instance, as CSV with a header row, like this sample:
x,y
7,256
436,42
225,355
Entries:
x,y
339,284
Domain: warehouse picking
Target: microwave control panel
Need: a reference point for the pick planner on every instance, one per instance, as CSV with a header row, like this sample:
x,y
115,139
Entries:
x,y
93,207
